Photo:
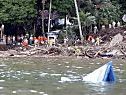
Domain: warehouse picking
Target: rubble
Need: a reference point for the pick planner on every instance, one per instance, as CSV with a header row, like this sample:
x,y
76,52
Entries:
x,y
116,40
109,48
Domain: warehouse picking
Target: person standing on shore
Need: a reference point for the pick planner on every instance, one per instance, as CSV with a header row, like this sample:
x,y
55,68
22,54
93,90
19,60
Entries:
x,y
25,43
1,32
91,39
31,40
36,42
113,24
97,43
95,29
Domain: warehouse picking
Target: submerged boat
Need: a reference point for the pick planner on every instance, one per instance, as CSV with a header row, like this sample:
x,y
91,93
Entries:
x,y
102,74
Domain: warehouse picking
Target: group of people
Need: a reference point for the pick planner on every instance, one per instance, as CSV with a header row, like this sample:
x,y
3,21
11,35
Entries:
x,y
36,41
94,40
26,40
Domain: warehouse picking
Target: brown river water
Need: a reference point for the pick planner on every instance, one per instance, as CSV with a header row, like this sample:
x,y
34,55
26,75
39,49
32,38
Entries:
x,y
47,76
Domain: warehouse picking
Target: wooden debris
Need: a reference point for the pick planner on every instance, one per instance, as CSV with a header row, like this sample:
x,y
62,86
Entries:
x,y
116,40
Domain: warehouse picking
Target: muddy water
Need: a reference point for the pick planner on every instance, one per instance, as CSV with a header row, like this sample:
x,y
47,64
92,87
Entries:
x,y
57,76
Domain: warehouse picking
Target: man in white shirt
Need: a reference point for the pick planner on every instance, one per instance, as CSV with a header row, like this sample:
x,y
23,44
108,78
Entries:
x,y
1,32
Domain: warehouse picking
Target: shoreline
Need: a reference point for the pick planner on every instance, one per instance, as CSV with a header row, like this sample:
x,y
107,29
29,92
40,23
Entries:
x,y
61,56
86,52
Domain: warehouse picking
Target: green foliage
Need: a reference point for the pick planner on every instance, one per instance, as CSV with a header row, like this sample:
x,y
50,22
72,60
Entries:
x,y
86,5
100,1
105,11
87,19
121,3
110,12
23,11
62,6
17,11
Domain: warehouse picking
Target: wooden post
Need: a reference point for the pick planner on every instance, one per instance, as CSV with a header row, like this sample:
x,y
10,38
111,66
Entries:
x,y
78,18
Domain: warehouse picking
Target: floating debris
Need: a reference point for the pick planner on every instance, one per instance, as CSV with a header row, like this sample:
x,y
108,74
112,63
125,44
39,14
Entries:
x,y
41,92
14,92
55,74
1,87
33,91
3,65
43,74
65,79
2,80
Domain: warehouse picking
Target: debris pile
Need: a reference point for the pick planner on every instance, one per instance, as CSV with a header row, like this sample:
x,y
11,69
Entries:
x,y
113,45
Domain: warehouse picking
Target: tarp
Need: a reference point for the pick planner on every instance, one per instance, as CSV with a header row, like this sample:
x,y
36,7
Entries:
x,y
102,74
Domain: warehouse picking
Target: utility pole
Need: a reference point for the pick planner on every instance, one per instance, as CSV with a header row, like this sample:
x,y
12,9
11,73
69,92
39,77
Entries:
x,y
78,18
49,20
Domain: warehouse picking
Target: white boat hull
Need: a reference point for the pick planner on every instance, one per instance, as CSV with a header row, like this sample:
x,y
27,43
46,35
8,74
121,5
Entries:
x,y
102,74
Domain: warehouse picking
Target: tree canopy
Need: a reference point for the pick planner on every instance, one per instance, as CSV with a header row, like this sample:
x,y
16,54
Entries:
x,y
20,11
99,11
62,6
17,11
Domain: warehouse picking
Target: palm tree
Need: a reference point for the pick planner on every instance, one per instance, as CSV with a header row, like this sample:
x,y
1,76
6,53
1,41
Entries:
x,y
50,8
87,20
43,8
